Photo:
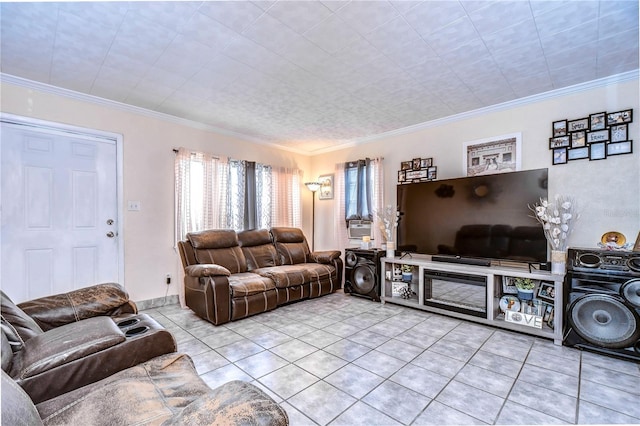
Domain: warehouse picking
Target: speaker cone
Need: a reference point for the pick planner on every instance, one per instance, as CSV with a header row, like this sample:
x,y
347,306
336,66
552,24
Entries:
x,y
631,292
604,320
634,263
350,259
363,279
589,260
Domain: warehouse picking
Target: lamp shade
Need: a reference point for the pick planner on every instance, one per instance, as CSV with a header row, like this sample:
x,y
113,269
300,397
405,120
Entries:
x,y
313,186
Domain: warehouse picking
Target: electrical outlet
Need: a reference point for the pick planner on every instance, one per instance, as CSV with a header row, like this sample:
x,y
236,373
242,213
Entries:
x,y
168,280
133,206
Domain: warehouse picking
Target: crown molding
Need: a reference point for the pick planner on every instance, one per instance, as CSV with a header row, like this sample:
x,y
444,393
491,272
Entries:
x,y
565,91
71,94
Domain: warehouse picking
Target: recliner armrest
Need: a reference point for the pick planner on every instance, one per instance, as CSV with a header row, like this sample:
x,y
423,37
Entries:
x,y
65,344
206,270
108,299
327,256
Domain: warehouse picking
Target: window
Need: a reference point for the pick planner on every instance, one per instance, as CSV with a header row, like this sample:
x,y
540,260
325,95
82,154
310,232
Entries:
x,y
214,192
359,185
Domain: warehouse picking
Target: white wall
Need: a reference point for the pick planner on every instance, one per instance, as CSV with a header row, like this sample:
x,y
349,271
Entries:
x,y
607,191
148,175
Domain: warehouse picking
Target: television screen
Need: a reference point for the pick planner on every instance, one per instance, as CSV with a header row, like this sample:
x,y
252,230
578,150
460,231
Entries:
x,y
477,217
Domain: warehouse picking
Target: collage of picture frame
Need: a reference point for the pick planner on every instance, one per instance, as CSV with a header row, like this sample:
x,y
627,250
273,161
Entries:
x,y
596,137
417,170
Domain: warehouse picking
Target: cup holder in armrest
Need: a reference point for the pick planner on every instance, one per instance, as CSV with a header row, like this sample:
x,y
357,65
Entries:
x,y
136,331
128,322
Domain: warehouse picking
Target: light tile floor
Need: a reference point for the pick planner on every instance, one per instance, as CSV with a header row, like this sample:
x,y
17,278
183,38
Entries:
x,y
344,360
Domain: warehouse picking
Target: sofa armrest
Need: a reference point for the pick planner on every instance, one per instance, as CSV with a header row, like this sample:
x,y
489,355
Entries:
x,y
107,299
206,270
65,344
327,256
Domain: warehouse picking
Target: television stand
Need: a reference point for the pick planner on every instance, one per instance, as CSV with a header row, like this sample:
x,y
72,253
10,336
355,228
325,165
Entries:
x,y
462,260
477,293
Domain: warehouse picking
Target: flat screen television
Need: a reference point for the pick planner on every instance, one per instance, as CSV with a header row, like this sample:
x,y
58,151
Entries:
x,y
481,217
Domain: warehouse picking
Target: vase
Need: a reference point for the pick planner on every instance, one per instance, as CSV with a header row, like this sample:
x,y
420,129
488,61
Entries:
x,y
525,294
558,262
407,277
391,249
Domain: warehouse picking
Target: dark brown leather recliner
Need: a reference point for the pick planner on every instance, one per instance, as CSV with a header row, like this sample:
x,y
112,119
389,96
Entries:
x,y
164,390
66,341
231,275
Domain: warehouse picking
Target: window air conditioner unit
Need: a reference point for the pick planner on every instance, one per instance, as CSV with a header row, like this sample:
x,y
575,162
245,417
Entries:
x,y
359,229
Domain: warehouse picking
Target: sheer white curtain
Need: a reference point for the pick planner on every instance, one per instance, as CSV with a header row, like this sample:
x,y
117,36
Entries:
x,y
200,198
377,197
285,197
340,230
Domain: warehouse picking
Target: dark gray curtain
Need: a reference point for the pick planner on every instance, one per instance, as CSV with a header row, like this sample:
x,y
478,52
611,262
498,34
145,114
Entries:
x,y
250,211
358,190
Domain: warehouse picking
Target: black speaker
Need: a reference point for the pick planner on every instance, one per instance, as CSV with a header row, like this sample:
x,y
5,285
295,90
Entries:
x,y
362,272
605,319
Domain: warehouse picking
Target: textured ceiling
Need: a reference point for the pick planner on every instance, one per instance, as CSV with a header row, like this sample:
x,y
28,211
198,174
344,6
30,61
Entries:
x,y
310,75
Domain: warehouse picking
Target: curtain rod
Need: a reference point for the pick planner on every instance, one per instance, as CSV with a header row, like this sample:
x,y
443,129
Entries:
x,y
175,151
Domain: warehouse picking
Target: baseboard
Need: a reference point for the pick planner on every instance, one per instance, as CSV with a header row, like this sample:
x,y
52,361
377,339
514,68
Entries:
x,y
158,302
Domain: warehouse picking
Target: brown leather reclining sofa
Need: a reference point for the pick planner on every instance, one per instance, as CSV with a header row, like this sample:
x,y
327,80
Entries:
x,y
87,358
229,275
62,342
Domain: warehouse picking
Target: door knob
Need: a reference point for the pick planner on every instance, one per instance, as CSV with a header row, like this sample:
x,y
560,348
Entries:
x,y
110,234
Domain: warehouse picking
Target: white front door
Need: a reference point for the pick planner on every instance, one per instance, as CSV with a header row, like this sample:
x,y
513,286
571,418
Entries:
x,y
59,211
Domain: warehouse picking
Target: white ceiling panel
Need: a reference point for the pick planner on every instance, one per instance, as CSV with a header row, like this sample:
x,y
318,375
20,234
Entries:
x,y
312,75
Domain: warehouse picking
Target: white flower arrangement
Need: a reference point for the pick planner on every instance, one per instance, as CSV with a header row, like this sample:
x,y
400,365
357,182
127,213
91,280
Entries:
x,y
388,222
557,218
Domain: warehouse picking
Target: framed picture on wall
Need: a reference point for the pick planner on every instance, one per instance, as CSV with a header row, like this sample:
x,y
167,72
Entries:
x,y
560,156
498,154
597,121
559,128
326,187
617,148
578,153
597,151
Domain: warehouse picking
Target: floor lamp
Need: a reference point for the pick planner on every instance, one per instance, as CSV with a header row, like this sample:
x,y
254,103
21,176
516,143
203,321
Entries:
x,y
313,187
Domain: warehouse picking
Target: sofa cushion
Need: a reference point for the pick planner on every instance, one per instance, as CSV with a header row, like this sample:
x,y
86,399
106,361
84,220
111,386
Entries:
x,y
291,245
219,246
234,403
294,275
148,393
247,283
258,248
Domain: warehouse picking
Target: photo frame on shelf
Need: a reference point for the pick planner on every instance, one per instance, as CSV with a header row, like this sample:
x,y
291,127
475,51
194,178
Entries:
x,y
619,132
509,285
326,187
406,165
416,163
559,128
598,136
548,313
597,121
416,174
402,176
578,153
559,142
432,173
579,124
619,117
546,292
560,156
498,154
618,148
597,151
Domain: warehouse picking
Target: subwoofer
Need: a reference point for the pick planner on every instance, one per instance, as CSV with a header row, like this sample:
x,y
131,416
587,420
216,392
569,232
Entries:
x,y
362,272
602,296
